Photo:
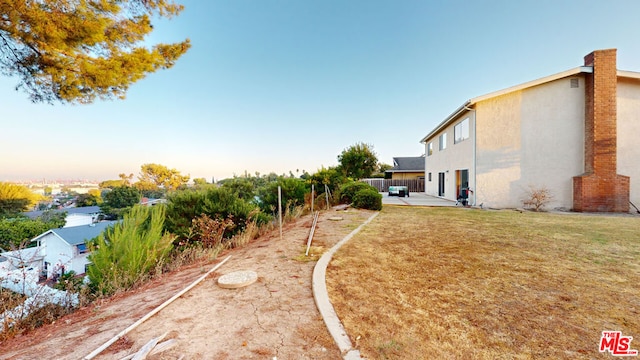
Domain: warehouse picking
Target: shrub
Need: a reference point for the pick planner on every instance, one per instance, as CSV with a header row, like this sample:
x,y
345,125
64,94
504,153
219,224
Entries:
x,y
368,199
210,232
217,203
293,194
125,254
349,190
537,198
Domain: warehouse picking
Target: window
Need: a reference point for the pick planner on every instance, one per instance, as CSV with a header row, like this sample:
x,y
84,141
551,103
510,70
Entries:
x,y
429,149
82,249
442,141
429,177
461,131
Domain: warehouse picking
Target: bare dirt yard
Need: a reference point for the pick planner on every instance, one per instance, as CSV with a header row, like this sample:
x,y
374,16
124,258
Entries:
x,y
275,317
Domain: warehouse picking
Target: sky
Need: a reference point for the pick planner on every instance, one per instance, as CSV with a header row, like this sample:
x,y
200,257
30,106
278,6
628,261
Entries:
x,y
285,86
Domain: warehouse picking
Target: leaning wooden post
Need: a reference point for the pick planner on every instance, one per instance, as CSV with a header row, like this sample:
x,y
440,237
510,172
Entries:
x,y
326,195
280,209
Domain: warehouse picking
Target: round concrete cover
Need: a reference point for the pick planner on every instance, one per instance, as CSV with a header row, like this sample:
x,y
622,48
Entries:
x,y
237,279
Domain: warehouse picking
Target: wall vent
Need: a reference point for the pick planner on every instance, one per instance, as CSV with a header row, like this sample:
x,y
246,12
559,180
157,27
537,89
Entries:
x,y
574,83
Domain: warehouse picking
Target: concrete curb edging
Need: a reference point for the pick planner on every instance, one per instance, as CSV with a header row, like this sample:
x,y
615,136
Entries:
x,y
321,297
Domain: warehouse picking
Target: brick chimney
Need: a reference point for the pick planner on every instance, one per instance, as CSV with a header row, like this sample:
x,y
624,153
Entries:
x,y
600,188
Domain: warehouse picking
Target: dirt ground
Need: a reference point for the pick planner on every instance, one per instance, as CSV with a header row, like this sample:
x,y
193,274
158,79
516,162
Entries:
x,y
275,317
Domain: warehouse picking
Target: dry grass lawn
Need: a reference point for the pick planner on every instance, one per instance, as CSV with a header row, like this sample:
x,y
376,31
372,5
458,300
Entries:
x,y
452,283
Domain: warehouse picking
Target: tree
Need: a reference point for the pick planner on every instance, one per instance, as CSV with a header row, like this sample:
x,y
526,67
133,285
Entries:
x,y
127,253
216,202
119,200
110,184
156,176
199,181
15,199
358,161
293,191
87,200
77,51
14,232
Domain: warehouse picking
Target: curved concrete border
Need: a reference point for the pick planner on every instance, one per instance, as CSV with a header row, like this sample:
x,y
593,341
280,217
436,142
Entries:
x,y
322,298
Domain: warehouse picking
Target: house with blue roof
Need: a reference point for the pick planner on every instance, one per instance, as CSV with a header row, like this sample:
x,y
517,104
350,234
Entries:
x,y
63,250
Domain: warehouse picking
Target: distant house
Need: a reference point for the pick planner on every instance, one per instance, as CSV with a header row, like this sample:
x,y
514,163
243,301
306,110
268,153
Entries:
x,y
76,216
151,202
406,168
574,133
63,250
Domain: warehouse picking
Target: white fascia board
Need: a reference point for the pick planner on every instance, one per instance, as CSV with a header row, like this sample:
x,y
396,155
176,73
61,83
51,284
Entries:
x,y
446,121
546,79
628,74
473,101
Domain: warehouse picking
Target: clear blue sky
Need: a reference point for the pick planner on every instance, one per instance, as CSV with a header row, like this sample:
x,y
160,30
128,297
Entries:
x,y
283,85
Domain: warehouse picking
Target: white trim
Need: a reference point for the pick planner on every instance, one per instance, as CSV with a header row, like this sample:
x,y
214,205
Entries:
x,y
629,74
465,107
546,79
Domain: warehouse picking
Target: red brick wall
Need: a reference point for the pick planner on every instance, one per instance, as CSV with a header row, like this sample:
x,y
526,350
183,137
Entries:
x,y
600,188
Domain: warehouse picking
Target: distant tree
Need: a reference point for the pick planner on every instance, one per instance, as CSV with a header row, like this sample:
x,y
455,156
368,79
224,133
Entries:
x,y
358,161
156,176
331,176
126,179
15,232
110,184
55,219
293,191
382,167
119,200
199,181
97,193
84,200
242,187
77,51
15,199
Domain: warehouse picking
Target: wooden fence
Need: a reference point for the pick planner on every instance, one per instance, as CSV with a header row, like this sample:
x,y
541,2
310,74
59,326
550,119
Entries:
x,y
414,185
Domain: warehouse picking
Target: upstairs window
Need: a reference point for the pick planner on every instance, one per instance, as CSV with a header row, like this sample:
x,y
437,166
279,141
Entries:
x,y
429,149
442,141
461,131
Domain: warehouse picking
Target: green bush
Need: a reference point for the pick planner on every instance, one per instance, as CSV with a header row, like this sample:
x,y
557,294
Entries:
x,y
124,255
368,199
217,203
293,192
349,190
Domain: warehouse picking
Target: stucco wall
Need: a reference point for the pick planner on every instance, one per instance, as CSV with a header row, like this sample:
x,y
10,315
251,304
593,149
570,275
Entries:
x,y
57,254
406,175
530,138
455,157
629,135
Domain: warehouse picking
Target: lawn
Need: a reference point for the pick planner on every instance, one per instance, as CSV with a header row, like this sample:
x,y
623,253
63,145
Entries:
x,y
445,283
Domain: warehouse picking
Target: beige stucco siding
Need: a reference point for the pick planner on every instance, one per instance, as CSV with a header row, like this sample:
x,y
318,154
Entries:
x,y
455,157
406,175
629,134
530,138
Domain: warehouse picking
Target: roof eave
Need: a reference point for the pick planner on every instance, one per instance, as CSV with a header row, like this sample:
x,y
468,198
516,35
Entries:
x,y
628,74
546,79
464,107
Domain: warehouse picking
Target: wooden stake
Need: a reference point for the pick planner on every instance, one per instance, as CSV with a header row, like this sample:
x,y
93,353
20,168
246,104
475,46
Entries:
x,y
280,209
313,229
